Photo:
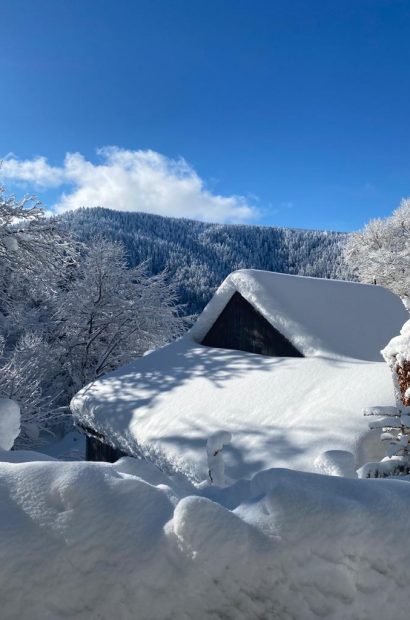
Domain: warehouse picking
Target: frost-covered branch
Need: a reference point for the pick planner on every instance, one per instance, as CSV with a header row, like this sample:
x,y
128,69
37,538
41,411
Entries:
x,y
110,314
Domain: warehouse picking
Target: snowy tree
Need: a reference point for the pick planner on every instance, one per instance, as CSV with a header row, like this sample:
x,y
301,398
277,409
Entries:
x,y
69,313
35,263
110,314
380,253
31,245
24,377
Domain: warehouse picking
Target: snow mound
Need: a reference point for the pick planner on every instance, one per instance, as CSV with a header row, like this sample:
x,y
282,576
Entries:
x,y
9,423
318,316
92,540
336,463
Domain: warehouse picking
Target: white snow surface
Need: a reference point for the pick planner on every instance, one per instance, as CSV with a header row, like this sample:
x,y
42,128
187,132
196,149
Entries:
x,y
99,541
281,412
318,316
9,423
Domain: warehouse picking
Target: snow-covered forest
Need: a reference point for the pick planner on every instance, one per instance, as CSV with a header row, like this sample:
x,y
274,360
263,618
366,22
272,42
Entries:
x,y
198,256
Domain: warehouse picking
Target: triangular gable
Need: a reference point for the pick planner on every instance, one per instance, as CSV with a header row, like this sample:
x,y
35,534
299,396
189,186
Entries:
x,y
241,327
318,316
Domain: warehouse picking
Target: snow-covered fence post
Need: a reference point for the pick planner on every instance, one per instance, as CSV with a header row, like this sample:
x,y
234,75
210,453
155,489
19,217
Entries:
x,y
9,423
216,466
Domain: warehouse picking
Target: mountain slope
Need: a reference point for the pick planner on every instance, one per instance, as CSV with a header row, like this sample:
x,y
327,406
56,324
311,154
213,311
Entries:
x,y
199,256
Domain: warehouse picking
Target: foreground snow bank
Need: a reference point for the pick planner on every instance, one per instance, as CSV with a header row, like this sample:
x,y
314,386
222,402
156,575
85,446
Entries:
x,y
93,540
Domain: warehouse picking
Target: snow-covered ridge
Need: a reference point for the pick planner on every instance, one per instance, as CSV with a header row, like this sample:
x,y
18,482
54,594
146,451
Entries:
x,y
198,255
318,316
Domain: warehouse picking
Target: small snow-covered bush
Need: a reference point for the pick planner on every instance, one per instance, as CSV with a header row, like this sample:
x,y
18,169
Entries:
x,y
397,355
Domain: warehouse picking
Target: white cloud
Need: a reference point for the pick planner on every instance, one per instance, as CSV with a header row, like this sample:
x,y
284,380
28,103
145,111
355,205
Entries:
x,y
128,180
35,172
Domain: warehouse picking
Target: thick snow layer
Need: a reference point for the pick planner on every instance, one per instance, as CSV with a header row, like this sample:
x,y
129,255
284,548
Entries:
x,y
318,316
336,463
93,540
397,350
281,412
9,423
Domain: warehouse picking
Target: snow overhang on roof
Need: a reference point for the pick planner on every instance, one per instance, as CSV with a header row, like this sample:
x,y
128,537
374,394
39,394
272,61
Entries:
x,y
318,316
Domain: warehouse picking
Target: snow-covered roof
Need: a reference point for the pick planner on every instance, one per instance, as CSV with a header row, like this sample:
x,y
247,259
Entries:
x,y
318,316
281,412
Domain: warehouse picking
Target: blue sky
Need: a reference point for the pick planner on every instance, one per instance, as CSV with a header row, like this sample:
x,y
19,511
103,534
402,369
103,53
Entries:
x,y
290,113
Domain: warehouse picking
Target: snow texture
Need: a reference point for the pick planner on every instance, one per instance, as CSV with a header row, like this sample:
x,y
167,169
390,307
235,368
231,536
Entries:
x,y
280,412
318,316
9,423
94,540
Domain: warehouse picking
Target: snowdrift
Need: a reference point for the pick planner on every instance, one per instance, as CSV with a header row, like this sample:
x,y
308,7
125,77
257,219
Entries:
x,y
92,540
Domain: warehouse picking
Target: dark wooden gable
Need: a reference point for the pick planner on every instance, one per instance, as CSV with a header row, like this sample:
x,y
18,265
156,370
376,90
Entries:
x,y
241,327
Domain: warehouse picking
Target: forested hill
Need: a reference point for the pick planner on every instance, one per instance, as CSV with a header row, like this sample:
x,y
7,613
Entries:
x,y
199,256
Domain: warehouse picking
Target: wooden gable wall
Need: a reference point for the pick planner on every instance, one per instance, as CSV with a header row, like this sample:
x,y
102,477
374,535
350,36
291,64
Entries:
x,y
241,327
